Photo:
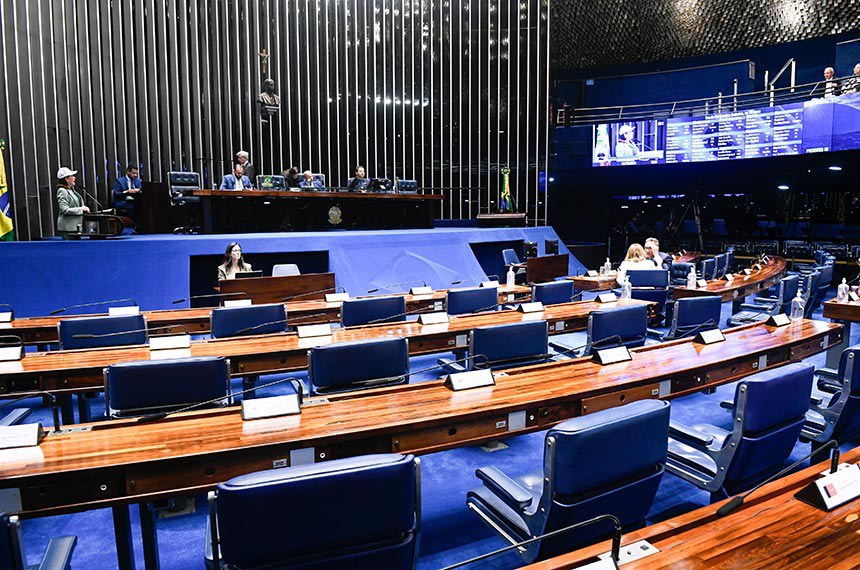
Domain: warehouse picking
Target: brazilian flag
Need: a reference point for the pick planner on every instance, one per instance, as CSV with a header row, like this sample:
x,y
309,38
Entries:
x,y
6,230
505,203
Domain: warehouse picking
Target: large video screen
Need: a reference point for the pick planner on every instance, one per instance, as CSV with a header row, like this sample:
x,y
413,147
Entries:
x,y
819,125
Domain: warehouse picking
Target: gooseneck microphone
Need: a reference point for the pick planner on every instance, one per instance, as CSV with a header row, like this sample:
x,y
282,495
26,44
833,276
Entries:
x,y
212,295
86,336
79,305
738,500
161,415
93,198
284,322
389,286
337,289
475,278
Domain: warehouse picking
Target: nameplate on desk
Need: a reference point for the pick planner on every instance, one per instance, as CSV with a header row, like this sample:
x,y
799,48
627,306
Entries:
x,y
757,267
779,320
426,290
710,337
854,296
534,307
436,318
237,302
308,331
729,277
23,435
168,342
607,298
123,311
701,283
490,284
170,353
747,272
336,297
591,273
6,316
258,408
833,489
470,379
612,355
11,353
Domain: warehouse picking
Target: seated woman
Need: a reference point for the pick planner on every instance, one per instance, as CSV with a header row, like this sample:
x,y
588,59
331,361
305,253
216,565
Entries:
x,y
634,261
233,262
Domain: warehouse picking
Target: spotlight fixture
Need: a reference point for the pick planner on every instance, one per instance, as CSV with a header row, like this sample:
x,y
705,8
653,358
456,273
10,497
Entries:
x,y
782,187
835,168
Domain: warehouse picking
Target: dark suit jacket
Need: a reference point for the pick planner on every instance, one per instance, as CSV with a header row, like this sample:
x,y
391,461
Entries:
x,y
121,200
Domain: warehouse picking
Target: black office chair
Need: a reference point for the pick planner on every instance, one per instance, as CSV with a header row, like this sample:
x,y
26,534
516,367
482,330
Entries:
x,y
181,186
58,555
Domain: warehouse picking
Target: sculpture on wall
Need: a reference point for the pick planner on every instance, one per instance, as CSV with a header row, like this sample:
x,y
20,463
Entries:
x,y
269,100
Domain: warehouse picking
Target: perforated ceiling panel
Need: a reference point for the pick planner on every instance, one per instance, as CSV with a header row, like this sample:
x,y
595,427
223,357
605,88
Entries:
x,y
586,33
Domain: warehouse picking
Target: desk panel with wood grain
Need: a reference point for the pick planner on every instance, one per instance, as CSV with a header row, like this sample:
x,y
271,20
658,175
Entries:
x,y
741,286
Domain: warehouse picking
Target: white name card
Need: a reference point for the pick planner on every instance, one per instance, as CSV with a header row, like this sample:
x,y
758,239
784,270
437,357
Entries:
x,y
534,307
237,302
171,353
701,283
854,296
258,408
490,284
336,297
436,318
425,290
470,379
11,353
747,271
729,277
612,355
607,298
23,435
169,342
592,273
833,489
123,311
779,320
308,331
710,337
6,317
757,267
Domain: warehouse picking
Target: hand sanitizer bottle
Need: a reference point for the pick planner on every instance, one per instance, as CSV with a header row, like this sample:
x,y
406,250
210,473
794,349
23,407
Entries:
x,y
797,306
842,292
691,278
510,278
625,288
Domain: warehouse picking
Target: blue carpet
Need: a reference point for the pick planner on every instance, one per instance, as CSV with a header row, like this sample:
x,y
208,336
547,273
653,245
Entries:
x,y
450,533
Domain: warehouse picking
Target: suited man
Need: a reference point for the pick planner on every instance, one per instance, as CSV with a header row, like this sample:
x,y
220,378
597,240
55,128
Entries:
x,y
828,87
309,181
243,158
125,189
652,251
236,180
70,204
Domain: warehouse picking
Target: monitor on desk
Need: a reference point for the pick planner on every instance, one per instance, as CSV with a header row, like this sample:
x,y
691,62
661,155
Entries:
x,y
248,274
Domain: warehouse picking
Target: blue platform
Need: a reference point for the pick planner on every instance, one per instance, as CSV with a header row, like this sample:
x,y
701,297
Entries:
x,y
38,277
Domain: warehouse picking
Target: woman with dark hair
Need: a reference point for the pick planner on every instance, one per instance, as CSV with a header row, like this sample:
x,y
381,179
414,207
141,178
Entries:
x,y
233,262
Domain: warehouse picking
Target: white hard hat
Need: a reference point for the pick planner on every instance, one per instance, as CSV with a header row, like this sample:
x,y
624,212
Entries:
x,y
64,172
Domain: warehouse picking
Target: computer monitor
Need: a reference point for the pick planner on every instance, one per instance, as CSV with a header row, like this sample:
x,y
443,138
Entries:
x,y
248,274
271,182
550,247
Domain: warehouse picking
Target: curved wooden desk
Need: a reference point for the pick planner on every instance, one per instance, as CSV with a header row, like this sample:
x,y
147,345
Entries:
x,y
741,286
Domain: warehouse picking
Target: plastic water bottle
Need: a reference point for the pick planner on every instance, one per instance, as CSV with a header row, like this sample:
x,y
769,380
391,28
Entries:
x,y
798,304
625,288
607,267
510,278
842,292
691,278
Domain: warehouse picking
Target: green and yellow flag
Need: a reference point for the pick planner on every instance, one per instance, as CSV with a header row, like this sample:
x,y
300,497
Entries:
x,y
505,204
6,230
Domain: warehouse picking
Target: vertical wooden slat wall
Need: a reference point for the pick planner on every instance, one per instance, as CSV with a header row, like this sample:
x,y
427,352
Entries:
x,y
445,91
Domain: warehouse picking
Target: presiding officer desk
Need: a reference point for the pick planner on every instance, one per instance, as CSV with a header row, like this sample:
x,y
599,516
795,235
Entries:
x,y
771,529
76,371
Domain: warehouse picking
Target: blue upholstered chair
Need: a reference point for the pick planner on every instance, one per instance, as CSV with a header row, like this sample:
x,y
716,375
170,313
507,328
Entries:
x,y
373,310
68,329
609,462
650,285
679,272
707,269
693,314
809,284
721,262
361,512
471,299
769,411
730,260
356,365
151,386
625,326
501,346
554,292
763,306
58,555
835,409
510,257
235,321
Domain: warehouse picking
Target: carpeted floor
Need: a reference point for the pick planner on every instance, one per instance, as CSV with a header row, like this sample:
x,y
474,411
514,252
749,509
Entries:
x,y
450,533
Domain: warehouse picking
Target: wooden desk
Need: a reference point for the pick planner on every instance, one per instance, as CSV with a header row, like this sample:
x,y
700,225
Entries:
x,y
43,330
261,290
687,257
845,313
743,285
277,210
771,529
75,371
546,267
120,462
598,283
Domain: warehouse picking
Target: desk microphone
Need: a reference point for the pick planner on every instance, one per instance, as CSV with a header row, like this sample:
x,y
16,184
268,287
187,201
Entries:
x,y
211,295
84,336
337,289
375,289
614,553
94,199
388,318
283,322
52,398
707,325
406,376
476,278
738,500
161,415
79,305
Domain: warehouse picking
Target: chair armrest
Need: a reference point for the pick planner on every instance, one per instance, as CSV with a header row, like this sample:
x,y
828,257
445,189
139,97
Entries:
x,y
688,435
505,488
655,334
58,555
827,373
815,401
450,366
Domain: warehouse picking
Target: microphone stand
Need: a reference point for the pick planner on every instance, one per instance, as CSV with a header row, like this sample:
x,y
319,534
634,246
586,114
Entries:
x,y
52,399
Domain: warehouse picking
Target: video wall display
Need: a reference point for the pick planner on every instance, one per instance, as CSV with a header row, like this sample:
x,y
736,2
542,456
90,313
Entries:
x,y
819,125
